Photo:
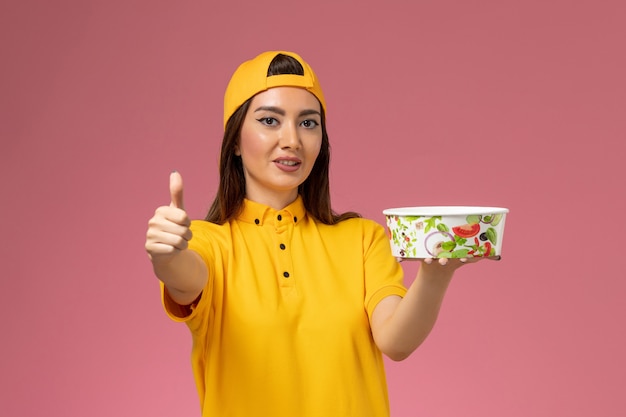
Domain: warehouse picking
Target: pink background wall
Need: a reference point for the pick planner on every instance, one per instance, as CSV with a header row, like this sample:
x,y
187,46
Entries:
x,y
507,103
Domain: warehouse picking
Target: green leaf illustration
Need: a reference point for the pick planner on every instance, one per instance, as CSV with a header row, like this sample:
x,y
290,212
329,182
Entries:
x,y
460,253
473,218
448,246
460,240
492,235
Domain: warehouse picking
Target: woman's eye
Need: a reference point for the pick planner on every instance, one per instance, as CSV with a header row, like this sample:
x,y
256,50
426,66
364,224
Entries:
x,y
310,124
269,121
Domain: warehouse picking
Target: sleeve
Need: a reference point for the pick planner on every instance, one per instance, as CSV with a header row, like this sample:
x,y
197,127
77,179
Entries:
x,y
383,274
202,244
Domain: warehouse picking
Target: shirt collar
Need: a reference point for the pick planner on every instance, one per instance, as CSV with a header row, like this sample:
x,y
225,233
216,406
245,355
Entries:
x,y
257,213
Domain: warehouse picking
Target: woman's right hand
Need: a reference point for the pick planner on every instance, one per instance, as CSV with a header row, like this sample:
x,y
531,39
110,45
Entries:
x,y
168,230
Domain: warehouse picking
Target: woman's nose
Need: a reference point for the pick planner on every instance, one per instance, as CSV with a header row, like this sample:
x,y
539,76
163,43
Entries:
x,y
289,136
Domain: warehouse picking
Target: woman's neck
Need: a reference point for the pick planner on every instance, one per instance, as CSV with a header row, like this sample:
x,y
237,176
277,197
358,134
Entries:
x,y
277,201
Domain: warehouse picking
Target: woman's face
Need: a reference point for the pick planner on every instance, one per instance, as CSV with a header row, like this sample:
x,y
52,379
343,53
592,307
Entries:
x,y
280,139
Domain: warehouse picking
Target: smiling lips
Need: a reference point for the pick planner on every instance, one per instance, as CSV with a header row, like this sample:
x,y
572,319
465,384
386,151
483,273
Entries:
x,y
288,164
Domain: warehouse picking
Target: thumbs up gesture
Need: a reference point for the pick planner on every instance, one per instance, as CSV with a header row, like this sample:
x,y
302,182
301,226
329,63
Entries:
x,y
168,230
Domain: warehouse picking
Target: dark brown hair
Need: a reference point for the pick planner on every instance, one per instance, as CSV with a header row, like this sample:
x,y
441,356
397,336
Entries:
x,y
315,190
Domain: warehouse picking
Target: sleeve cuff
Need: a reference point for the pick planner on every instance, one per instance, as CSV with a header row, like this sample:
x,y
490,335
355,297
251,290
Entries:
x,y
384,292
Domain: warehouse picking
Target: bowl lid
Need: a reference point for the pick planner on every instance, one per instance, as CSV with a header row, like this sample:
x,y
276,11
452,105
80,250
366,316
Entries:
x,y
443,211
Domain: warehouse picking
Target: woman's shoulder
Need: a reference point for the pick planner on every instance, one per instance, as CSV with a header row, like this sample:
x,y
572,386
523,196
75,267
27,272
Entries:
x,y
204,228
201,224
355,233
363,224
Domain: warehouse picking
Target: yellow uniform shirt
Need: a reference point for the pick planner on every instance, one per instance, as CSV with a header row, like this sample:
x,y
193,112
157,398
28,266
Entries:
x,y
282,327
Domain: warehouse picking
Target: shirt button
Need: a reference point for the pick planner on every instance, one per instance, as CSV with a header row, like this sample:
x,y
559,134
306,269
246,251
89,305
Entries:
x,y
257,221
295,219
282,246
280,217
286,274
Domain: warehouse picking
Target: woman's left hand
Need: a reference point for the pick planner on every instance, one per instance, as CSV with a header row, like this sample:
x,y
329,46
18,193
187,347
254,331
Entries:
x,y
452,263
455,263
445,261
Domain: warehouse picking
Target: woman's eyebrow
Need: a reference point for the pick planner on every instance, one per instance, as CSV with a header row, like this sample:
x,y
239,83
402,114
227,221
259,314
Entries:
x,y
272,109
311,111
282,112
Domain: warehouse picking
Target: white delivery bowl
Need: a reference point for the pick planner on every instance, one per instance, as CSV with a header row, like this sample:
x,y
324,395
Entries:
x,y
445,231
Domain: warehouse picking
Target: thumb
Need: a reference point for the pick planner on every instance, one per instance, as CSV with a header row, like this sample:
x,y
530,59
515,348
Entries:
x,y
176,190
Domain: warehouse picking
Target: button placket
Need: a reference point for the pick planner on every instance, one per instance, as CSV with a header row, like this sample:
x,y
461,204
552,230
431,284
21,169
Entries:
x,y
283,230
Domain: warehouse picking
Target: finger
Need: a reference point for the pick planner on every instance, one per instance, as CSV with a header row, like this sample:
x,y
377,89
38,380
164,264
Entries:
x,y
158,249
159,226
175,240
480,258
176,190
167,214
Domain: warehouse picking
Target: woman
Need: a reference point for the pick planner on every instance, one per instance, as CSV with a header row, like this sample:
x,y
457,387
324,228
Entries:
x,y
290,305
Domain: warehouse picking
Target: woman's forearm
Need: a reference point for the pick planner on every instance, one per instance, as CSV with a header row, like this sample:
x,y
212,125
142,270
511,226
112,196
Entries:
x,y
184,275
408,321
